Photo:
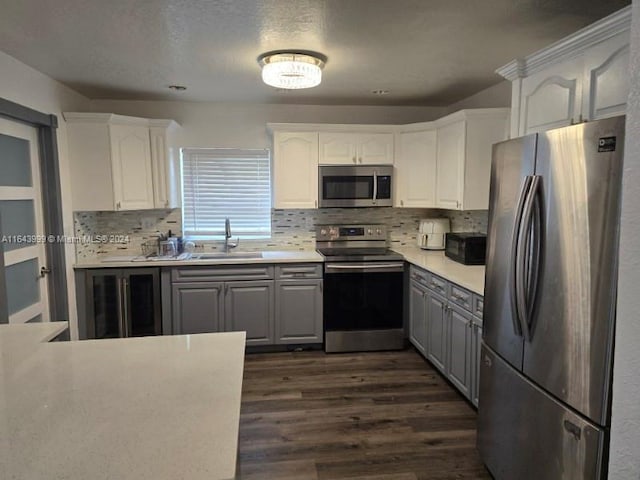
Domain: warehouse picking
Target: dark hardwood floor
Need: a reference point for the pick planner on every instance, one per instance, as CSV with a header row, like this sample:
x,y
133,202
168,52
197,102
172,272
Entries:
x,y
374,416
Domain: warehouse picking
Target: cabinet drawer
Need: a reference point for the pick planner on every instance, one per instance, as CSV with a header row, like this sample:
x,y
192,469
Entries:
x,y
224,272
478,305
438,284
461,297
421,276
302,270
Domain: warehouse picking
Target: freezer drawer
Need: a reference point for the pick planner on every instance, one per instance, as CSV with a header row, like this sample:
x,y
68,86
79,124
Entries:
x,y
524,433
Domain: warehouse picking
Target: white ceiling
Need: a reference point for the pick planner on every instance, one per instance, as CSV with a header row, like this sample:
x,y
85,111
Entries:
x,y
426,52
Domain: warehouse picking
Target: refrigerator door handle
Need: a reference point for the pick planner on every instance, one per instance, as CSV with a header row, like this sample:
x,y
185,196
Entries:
x,y
513,276
524,261
535,255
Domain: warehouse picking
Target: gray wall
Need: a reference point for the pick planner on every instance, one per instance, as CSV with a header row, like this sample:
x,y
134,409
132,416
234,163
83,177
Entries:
x,y
625,431
499,95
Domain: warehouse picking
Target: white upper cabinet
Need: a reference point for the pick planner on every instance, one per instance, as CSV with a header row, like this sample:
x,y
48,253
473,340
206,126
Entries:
x,y
606,69
119,163
131,167
463,156
580,78
345,148
415,170
551,98
295,169
165,164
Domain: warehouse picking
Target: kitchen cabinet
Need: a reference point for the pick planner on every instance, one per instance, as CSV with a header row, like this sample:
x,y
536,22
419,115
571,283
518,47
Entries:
x,y
275,305
445,326
295,169
345,148
437,330
459,351
299,303
248,306
130,157
214,299
418,316
197,307
416,170
463,156
580,78
117,303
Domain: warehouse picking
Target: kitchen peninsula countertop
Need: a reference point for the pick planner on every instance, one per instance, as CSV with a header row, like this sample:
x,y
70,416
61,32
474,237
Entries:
x,y
268,256
135,408
468,276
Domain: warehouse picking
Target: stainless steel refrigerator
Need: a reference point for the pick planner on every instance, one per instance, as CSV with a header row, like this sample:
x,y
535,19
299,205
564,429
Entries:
x,y
549,305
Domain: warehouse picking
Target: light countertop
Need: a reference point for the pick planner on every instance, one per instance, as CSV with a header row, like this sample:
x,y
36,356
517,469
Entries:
x,y
268,256
135,408
470,277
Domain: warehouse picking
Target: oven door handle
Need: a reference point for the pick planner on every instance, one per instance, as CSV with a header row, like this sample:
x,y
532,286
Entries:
x,y
363,267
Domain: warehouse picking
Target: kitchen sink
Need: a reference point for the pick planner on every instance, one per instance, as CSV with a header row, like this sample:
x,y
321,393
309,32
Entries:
x,y
214,256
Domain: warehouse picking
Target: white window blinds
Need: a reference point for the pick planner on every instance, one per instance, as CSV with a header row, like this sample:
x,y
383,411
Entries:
x,y
219,183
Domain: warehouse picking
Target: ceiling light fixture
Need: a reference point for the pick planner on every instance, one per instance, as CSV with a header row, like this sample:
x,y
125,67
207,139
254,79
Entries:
x,y
292,70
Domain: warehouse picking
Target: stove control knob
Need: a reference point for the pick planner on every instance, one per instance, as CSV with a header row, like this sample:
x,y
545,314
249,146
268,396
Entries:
x,y
369,231
378,231
323,231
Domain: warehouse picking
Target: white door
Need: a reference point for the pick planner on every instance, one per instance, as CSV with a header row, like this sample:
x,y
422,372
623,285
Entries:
x,y
450,159
375,148
22,225
295,170
338,148
416,170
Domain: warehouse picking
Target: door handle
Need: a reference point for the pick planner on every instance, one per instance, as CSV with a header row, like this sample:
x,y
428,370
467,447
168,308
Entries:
x,y
375,186
523,306
125,308
44,271
513,293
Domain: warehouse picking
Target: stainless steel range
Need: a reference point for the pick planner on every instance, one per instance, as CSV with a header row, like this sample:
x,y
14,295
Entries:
x,y
362,289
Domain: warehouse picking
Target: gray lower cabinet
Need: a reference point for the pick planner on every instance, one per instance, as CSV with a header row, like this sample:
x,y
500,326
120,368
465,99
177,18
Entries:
x,y
437,330
299,311
248,306
458,366
445,325
418,316
197,307
287,310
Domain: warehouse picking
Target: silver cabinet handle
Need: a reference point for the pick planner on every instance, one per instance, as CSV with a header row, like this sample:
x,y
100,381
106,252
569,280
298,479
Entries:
x,y
118,206
354,160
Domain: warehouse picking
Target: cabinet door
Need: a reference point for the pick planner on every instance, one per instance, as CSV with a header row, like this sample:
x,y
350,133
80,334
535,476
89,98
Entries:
x,y
459,349
450,165
418,317
248,306
298,311
197,307
551,98
375,148
476,342
416,170
142,302
437,330
338,148
104,303
606,78
295,170
160,167
131,167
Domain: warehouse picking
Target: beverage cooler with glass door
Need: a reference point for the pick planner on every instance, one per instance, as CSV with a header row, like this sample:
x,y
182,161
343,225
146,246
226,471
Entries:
x,y
118,303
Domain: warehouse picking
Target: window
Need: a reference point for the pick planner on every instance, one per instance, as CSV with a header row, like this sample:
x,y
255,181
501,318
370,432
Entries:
x,y
219,183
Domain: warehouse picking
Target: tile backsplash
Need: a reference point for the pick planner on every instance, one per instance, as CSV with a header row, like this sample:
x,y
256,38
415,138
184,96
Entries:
x,y
123,233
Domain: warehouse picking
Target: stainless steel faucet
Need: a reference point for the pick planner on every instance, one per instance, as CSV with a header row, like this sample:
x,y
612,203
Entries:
x,y
227,236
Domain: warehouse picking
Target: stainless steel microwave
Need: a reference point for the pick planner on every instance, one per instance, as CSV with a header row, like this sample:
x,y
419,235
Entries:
x,y
355,186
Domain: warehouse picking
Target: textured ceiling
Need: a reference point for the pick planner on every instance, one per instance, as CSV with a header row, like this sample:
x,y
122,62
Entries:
x,y
425,52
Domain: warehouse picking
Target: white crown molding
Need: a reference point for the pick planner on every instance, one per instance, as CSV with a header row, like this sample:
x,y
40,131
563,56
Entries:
x,y
570,46
113,119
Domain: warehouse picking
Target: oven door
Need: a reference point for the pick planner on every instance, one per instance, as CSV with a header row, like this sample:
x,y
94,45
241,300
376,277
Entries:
x,y
363,295
359,186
